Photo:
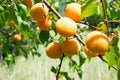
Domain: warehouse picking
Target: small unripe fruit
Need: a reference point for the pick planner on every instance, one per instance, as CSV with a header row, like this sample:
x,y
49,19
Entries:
x,y
53,50
66,27
97,42
70,46
39,12
73,11
11,23
17,37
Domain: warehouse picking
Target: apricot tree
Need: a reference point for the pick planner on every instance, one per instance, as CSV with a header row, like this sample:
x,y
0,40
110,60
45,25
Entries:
x,y
82,28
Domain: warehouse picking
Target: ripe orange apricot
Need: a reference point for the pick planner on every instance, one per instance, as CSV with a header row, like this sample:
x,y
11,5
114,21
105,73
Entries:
x,y
53,50
28,3
97,42
11,23
70,46
17,37
46,24
39,11
66,27
89,53
73,11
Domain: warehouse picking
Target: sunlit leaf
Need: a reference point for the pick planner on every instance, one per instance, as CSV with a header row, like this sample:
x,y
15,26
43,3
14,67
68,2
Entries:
x,y
89,9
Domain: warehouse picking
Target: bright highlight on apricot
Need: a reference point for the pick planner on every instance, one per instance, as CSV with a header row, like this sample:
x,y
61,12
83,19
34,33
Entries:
x,y
70,47
66,27
73,11
53,50
97,42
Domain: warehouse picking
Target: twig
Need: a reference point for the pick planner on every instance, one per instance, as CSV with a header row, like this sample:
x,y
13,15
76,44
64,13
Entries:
x,y
106,61
78,38
59,67
52,9
105,15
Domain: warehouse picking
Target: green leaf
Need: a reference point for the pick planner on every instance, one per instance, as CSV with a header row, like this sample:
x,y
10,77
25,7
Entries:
x,y
101,11
44,36
89,9
102,26
110,57
24,52
82,59
114,41
118,74
62,7
73,65
53,69
79,71
65,74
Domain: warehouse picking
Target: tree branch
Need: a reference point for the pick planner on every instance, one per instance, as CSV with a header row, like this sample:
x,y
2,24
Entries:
x,y
59,67
105,15
52,9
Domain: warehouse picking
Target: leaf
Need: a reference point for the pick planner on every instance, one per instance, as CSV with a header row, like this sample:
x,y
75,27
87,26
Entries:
x,y
110,57
82,59
102,26
24,52
101,11
62,7
118,74
65,74
89,9
53,69
73,65
79,71
44,36
114,41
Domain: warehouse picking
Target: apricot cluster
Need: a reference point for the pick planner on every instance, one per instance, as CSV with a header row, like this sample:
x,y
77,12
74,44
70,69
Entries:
x,y
66,27
39,13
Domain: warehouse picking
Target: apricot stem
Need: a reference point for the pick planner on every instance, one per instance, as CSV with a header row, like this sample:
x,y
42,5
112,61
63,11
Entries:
x,y
59,67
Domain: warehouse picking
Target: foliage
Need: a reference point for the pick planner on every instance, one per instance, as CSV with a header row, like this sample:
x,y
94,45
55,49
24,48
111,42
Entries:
x,y
100,15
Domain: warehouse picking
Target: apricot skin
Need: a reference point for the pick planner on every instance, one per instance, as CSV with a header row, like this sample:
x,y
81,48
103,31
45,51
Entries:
x,y
97,42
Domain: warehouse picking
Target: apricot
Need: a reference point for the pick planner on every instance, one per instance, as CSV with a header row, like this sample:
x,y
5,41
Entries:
x,y
11,23
73,11
66,27
39,11
70,46
17,37
53,50
89,53
97,42
28,3
46,24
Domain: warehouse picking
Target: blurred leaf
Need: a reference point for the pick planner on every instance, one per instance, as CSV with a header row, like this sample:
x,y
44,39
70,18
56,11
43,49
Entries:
x,y
79,71
118,74
82,59
111,59
24,52
73,65
65,74
102,26
44,36
89,9
101,11
62,7
114,41
53,69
